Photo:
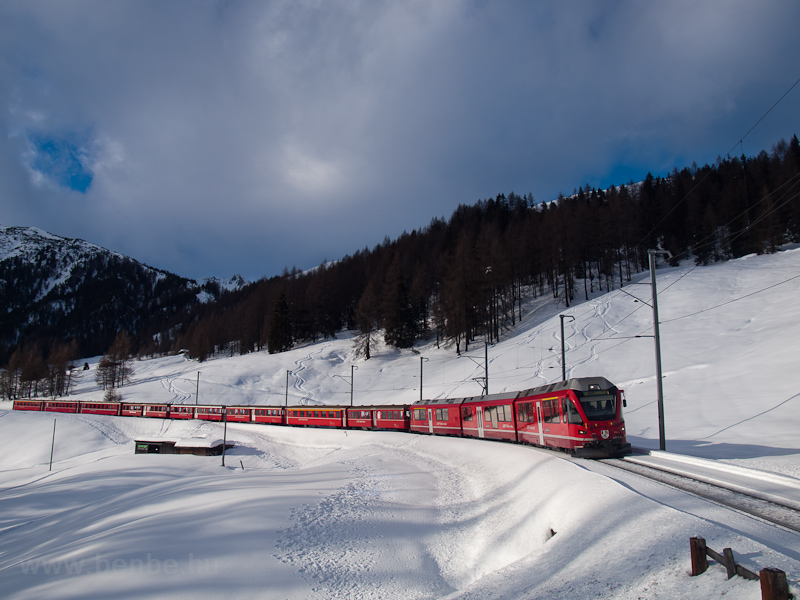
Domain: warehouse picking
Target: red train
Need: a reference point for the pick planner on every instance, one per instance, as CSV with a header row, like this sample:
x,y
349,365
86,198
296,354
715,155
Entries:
x,y
582,416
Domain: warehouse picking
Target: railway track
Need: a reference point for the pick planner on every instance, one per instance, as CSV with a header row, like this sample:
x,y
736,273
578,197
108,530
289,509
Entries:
x,y
769,507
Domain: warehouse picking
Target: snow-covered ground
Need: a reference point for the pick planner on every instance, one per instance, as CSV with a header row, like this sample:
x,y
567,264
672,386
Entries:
x,y
331,514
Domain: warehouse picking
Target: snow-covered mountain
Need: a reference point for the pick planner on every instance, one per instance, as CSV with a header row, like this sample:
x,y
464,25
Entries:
x,y
62,287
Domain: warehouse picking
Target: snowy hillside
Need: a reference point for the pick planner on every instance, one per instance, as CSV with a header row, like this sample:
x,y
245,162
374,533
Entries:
x,y
333,514
727,332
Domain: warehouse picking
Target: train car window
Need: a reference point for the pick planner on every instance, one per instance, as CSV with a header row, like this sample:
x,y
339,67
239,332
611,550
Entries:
x,y
466,413
487,414
570,413
527,414
504,413
550,411
599,405
442,414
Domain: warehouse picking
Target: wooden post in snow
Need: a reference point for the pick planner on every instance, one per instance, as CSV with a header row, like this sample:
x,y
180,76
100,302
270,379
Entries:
x,y
773,584
699,560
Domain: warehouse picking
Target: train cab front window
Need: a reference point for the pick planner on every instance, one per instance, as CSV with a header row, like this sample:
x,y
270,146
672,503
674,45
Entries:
x,y
599,406
570,413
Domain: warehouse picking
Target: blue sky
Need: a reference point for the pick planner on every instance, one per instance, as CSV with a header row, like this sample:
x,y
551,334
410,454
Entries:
x,y
213,138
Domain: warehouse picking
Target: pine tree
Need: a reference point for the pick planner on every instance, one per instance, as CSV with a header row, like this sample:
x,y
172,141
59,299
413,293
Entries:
x,y
115,369
280,331
367,320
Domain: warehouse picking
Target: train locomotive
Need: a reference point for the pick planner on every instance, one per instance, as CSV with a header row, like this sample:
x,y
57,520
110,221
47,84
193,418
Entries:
x,y
581,416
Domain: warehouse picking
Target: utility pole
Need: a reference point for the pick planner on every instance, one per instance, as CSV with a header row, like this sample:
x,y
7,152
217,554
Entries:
x,y
486,365
484,381
52,445
197,390
422,359
662,442
286,397
352,369
225,432
563,359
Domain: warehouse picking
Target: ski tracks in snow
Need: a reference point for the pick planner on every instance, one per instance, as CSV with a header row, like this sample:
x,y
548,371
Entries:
x,y
307,396
178,395
600,310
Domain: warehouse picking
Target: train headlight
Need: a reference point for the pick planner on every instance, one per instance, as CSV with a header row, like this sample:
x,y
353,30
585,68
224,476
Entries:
x,y
581,432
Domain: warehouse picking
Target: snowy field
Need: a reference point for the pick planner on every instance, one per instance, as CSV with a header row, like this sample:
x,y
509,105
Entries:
x,y
301,513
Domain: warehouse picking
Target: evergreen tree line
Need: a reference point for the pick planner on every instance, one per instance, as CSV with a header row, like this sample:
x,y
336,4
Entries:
x,y
29,374
457,281
465,278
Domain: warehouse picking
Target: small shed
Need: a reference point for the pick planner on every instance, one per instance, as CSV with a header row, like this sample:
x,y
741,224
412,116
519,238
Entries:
x,y
196,446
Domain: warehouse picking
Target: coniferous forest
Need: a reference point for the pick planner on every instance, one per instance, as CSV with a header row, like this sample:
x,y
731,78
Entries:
x,y
465,278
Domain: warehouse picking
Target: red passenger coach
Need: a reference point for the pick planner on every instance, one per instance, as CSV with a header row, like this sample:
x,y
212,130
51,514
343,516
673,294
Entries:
x,y
159,411
273,415
131,410
360,418
490,417
238,414
28,405
179,411
328,416
101,408
439,417
391,417
208,413
395,417
61,406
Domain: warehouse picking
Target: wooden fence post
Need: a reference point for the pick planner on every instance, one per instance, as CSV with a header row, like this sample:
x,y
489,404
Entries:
x,y
730,562
773,584
699,560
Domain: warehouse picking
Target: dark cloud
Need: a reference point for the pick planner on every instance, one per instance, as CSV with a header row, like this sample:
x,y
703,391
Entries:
x,y
217,137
